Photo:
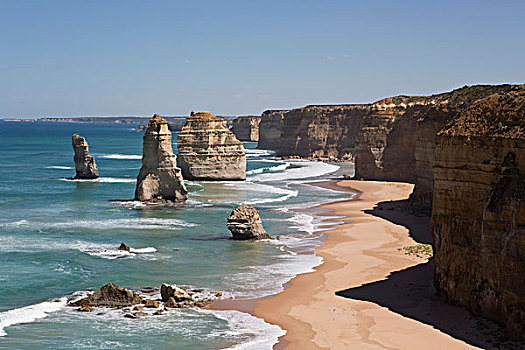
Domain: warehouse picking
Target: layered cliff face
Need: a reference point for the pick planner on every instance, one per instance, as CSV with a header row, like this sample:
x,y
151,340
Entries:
x,y
433,117
85,165
246,128
270,129
208,150
478,214
159,179
386,142
321,131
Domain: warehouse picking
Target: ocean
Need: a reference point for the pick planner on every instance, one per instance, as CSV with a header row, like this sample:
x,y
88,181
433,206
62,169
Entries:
x,y
58,239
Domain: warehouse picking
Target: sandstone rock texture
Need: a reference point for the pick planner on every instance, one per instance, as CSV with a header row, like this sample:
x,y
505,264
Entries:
x,y
245,223
478,214
85,165
270,129
112,295
246,128
159,179
431,118
208,150
321,131
168,291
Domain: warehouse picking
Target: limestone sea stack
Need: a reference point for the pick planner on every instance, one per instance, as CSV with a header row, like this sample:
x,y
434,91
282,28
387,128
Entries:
x,y
245,223
85,165
159,179
208,150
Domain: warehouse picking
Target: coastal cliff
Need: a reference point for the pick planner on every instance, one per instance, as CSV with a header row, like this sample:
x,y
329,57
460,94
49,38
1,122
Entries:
x,y
321,131
85,165
270,129
159,179
208,150
246,128
478,214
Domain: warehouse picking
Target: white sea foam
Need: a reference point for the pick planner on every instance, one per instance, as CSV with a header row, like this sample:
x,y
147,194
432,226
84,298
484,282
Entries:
x,y
125,223
116,253
301,170
253,153
31,313
276,168
283,193
261,335
119,156
104,180
59,167
303,222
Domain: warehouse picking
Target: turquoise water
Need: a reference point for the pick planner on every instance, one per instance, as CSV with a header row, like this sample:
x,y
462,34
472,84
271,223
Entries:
x,y
58,237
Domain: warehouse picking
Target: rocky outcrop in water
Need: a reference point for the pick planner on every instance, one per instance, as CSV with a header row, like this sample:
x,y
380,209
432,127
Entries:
x,y
245,224
270,129
246,128
112,295
478,214
208,150
85,165
159,179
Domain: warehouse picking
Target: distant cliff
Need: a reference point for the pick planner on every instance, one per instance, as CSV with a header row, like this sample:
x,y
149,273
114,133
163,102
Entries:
x,y
321,131
270,129
246,128
478,214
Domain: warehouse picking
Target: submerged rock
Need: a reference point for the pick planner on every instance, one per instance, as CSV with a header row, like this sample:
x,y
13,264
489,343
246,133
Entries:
x,y
112,295
159,179
208,150
124,246
85,165
245,223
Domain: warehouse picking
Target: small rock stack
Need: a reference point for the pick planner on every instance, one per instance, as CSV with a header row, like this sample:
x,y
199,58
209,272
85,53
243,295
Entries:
x,y
85,165
245,224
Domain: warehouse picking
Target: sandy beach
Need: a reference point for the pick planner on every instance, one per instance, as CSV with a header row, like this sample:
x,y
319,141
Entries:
x,y
369,293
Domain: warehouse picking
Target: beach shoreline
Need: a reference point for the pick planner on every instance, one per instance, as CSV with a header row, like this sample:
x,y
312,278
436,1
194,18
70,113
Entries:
x,y
366,249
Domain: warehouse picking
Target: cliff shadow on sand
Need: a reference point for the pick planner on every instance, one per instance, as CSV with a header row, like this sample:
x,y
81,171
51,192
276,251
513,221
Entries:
x,y
410,292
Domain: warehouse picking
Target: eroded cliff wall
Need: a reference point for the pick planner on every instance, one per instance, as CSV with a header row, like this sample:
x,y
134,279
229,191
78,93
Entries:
x,y
270,129
321,131
478,214
246,128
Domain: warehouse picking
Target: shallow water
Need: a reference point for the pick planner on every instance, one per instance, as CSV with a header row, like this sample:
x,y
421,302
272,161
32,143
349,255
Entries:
x,y
58,237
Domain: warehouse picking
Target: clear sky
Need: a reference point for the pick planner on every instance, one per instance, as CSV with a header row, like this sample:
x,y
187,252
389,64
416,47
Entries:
x,y
72,57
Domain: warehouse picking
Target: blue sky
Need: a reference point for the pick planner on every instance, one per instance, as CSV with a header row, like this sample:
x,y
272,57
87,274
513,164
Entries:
x,y
70,58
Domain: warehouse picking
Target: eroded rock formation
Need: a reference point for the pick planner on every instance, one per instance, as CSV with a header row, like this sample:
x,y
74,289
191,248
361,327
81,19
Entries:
x,y
112,295
245,223
478,214
270,129
208,150
321,131
85,165
246,128
159,179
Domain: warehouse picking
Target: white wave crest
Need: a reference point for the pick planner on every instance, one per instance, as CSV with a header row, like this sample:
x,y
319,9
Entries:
x,y
276,168
59,167
119,156
301,170
104,180
126,223
254,153
262,335
31,313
